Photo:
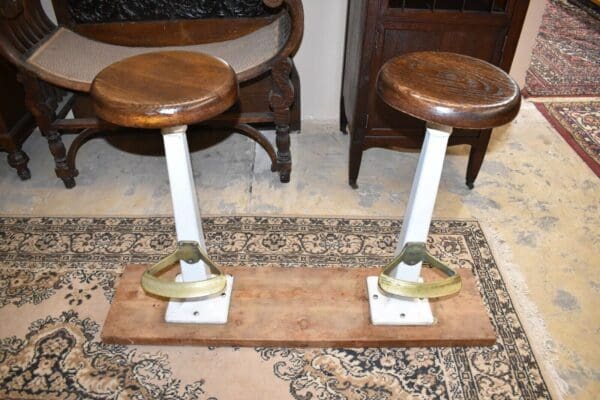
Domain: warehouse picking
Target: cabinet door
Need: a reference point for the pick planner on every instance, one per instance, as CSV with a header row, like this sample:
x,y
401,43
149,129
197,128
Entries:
x,y
474,34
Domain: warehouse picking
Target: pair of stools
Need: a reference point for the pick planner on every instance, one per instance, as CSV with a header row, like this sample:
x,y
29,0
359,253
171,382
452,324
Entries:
x,y
170,90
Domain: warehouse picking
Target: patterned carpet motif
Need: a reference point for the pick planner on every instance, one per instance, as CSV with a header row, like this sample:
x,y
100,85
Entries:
x,y
566,58
579,124
57,277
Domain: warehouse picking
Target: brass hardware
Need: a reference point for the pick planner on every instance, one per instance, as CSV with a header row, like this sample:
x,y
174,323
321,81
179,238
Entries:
x,y
412,254
192,253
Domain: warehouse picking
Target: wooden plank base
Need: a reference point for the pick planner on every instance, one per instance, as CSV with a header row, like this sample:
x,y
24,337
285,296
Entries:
x,y
297,307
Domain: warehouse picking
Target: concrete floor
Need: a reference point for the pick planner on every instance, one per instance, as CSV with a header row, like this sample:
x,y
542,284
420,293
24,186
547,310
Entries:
x,y
537,201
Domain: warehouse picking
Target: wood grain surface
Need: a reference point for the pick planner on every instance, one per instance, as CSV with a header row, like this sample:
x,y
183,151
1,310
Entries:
x,y
162,89
449,89
297,307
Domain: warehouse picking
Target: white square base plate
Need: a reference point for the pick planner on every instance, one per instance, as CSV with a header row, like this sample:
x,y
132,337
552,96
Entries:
x,y
203,310
393,310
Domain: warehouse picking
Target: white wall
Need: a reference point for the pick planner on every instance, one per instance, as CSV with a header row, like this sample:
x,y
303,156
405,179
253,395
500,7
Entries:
x,y
319,60
47,4
531,26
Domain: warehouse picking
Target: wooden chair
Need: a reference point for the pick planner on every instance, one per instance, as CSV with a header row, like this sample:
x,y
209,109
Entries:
x,y
57,65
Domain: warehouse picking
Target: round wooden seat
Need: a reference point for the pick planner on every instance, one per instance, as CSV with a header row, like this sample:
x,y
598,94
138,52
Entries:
x,y
449,89
164,89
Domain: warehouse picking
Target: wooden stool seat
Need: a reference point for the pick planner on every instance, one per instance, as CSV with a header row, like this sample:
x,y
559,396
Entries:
x,y
449,89
163,89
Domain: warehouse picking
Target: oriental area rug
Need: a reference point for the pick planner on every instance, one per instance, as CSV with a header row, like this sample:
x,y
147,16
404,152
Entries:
x,y
566,58
58,277
566,64
579,124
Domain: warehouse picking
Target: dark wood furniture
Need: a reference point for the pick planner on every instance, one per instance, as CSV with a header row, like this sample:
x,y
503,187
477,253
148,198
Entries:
x,y
177,25
57,64
379,30
16,123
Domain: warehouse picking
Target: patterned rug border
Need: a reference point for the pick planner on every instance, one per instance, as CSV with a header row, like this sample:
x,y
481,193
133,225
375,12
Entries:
x,y
541,353
215,215
566,135
546,37
562,99
551,97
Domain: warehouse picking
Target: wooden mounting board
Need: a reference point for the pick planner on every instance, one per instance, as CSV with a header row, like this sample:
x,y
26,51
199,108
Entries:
x,y
297,307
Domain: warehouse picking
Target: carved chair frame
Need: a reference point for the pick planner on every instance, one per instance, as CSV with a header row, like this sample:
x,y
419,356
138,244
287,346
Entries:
x,y
25,26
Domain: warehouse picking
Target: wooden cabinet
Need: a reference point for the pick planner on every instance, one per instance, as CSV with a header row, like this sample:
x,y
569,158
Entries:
x,y
378,30
16,123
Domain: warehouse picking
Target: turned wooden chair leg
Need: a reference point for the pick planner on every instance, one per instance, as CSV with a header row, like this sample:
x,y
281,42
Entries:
x,y
296,107
43,110
284,156
281,98
18,159
59,152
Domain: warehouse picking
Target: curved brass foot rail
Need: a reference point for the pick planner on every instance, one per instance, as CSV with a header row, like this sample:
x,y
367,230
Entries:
x,y
191,253
412,254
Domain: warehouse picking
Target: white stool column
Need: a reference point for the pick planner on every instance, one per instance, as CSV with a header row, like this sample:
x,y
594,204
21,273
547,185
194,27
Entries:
x,y
188,224
387,309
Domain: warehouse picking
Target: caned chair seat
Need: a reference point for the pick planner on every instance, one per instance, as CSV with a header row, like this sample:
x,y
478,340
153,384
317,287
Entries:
x,y
449,89
70,60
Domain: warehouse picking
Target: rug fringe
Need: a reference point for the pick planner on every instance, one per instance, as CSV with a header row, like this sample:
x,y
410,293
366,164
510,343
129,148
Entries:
x,y
543,346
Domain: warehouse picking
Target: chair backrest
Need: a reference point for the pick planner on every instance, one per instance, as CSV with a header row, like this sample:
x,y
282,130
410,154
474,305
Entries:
x,y
163,23
24,25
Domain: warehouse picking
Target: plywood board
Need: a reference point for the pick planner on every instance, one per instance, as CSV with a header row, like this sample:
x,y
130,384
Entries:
x,y
297,307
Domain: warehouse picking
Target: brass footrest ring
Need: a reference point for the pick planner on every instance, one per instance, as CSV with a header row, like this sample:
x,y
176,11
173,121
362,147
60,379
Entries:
x,y
191,253
414,253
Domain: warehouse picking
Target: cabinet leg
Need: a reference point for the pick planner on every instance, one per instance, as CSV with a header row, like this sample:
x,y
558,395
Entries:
x,y
356,152
476,156
343,118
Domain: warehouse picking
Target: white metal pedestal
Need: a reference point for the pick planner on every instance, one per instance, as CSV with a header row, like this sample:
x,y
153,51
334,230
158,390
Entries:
x,y
188,224
204,310
393,310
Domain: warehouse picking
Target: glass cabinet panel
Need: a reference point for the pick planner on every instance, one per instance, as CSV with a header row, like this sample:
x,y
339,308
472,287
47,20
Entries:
x,y
495,6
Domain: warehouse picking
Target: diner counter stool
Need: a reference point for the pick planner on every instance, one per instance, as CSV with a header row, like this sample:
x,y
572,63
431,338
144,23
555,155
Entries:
x,y
447,91
168,91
